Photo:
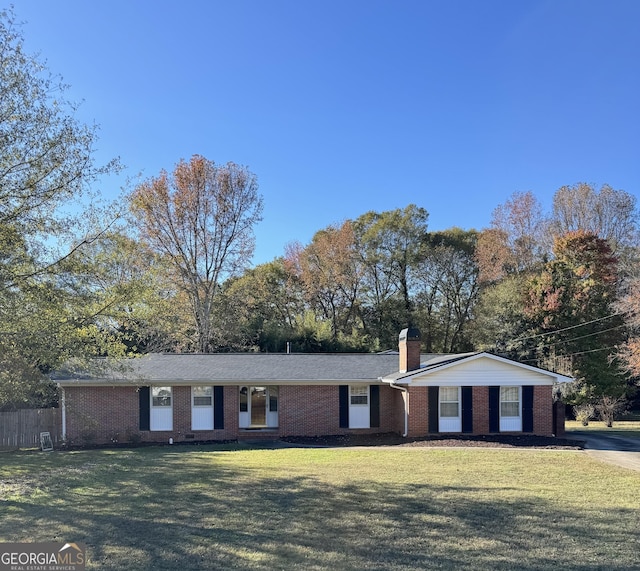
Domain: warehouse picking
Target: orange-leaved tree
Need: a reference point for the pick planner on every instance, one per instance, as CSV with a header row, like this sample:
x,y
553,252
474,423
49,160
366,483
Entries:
x,y
201,216
571,307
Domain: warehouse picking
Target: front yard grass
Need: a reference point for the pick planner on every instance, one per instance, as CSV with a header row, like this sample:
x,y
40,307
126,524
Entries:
x,y
626,428
227,507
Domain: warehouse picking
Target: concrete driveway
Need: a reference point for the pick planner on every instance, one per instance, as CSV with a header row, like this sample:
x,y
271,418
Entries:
x,y
612,449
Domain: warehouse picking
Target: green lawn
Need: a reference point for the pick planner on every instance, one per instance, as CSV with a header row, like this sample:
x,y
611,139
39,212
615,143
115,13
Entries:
x,y
626,428
209,507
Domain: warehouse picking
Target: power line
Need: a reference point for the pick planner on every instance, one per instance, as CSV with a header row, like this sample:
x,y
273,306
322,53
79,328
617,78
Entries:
x,y
565,328
584,336
573,354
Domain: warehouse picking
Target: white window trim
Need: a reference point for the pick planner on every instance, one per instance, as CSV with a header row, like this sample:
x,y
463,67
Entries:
x,y
450,423
359,413
193,396
509,401
272,418
360,388
511,423
161,417
457,401
202,411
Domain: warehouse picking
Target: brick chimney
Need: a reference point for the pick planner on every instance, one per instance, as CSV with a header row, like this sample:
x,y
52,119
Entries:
x,y
409,347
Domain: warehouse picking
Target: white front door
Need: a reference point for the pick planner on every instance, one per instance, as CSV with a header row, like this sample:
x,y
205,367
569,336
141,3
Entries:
x,y
359,412
161,417
449,410
510,409
201,408
258,407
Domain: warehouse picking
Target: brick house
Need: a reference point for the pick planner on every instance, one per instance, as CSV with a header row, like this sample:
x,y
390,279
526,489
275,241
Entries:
x,y
227,396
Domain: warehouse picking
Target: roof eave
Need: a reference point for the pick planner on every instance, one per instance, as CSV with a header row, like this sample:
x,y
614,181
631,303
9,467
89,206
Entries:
x,y
406,378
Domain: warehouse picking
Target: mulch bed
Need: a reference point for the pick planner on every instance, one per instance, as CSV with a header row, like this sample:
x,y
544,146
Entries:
x,y
490,441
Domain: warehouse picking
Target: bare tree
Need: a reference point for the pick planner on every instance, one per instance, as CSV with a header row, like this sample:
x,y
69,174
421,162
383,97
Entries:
x,y
608,213
520,226
202,217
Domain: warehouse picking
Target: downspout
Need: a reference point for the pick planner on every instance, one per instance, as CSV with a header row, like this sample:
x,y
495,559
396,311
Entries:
x,y
405,400
63,403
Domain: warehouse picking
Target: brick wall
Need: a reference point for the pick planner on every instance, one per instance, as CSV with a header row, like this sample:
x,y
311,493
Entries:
x,y
542,411
98,415
418,411
398,404
480,397
101,415
315,411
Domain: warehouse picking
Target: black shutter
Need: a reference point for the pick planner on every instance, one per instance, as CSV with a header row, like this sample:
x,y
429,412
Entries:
x,y
494,409
144,408
374,406
344,406
527,408
434,421
467,409
218,408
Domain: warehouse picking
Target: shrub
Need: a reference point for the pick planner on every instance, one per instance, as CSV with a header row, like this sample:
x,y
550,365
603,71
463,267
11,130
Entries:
x,y
609,407
584,413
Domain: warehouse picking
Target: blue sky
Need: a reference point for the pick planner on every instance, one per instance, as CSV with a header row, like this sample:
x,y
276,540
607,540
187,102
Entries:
x,y
341,107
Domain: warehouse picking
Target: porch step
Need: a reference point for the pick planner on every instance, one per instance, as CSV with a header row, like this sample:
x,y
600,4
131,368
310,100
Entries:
x,y
261,435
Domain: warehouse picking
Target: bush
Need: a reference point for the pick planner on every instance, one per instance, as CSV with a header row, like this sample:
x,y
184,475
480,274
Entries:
x,y
584,413
609,407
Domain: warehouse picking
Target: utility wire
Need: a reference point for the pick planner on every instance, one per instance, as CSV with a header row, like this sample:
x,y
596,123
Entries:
x,y
584,336
565,328
573,354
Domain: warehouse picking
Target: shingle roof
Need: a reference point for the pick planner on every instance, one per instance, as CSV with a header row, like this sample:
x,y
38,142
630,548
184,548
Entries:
x,y
429,363
254,368
239,367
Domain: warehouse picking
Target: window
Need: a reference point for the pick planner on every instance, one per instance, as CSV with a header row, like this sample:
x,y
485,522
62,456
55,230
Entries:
x,y
244,407
449,402
202,396
359,395
201,408
509,401
160,396
161,413
273,399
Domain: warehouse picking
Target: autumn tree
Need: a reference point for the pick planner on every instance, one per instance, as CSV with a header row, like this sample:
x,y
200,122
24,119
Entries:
x,y
629,306
330,270
607,213
515,241
46,170
201,216
46,154
262,309
571,305
128,289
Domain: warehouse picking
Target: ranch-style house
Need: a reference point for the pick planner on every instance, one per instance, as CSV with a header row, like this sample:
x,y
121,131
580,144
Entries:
x,y
224,396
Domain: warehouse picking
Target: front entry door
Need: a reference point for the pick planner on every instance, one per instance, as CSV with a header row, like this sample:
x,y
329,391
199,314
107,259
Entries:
x,y
258,407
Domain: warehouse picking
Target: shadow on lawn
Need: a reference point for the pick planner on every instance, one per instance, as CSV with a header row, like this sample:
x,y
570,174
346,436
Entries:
x,y
213,516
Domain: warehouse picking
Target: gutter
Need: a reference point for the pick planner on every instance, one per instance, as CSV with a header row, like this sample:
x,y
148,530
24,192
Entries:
x,y
405,400
63,402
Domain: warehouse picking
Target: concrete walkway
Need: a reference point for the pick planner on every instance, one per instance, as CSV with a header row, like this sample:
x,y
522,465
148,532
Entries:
x,y
612,449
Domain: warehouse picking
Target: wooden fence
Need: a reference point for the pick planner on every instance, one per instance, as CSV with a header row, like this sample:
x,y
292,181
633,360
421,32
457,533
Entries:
x,y
22,428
